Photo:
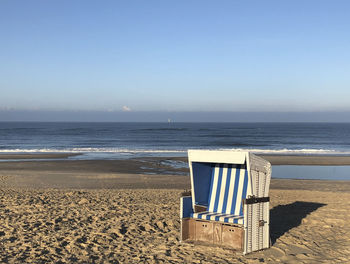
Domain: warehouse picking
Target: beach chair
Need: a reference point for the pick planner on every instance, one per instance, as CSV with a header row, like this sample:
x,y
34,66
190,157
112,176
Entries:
x,y
229,204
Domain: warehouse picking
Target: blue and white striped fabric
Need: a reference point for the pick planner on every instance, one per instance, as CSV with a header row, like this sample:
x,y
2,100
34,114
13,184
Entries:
x,y
229,185
226,218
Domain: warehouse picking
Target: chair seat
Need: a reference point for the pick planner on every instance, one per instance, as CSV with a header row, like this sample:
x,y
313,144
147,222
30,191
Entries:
x,y
220,217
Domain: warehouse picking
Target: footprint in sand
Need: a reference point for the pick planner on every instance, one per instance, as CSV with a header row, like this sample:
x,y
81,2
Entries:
x,y
275,252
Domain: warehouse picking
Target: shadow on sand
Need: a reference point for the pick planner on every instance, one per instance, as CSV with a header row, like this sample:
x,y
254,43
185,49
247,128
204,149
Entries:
x,y
285,217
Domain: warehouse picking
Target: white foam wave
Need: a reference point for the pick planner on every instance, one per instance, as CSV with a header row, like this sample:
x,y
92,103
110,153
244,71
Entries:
x,y
88,150
164,151
292,151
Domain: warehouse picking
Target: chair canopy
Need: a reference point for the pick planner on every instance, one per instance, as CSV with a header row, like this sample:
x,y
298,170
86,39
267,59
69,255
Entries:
x,y
221,179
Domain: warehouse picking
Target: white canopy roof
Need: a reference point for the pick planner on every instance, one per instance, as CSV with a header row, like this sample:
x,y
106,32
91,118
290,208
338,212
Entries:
x,y
215,156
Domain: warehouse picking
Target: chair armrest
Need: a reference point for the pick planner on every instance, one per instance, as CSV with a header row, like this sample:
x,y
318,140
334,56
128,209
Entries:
x,y
254,200
186,206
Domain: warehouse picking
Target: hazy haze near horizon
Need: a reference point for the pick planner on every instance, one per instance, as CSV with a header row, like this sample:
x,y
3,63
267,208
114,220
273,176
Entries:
x,y
154,116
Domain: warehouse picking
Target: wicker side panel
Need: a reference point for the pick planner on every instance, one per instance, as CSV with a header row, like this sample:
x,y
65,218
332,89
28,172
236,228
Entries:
x,y
255,182
263,167
247,245
266,227
256,227
260,183
267,182
258,163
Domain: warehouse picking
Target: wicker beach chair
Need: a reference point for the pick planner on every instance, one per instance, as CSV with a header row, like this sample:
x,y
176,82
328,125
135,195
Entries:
x,y
229,203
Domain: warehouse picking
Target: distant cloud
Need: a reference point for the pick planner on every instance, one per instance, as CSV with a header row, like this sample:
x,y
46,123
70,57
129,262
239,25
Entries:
x,y
126,108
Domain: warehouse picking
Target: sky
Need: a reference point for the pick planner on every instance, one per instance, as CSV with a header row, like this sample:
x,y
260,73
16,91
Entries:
x,y
174,56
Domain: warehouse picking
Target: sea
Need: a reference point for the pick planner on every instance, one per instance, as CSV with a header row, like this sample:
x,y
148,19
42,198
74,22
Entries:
x,y
168,139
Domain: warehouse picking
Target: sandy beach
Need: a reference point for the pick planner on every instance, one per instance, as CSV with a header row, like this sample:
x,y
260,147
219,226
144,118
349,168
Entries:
x,y
114,114
121,212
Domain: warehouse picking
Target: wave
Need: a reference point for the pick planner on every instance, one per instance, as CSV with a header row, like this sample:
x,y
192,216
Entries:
x,y
291,151
184,151
159,129
87,150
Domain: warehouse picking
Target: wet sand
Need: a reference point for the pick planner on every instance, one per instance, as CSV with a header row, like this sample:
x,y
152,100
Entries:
x,y
107,212
274,159
95,174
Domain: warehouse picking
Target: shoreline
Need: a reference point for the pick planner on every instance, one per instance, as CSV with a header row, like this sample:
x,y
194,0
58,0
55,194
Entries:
x,y
145,173
142,173
274,159
16,156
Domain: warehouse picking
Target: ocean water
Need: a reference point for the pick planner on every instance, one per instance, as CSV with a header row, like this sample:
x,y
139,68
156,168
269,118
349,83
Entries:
x,y
127,140
312,172
132,140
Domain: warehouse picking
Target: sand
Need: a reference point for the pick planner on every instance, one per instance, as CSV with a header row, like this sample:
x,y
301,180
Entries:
x,y
121,217
94,174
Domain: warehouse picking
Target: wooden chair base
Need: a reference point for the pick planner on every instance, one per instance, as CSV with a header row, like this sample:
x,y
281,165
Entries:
x,y
211,232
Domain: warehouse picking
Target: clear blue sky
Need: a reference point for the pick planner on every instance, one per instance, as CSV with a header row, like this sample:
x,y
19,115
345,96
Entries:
x,y
175,55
